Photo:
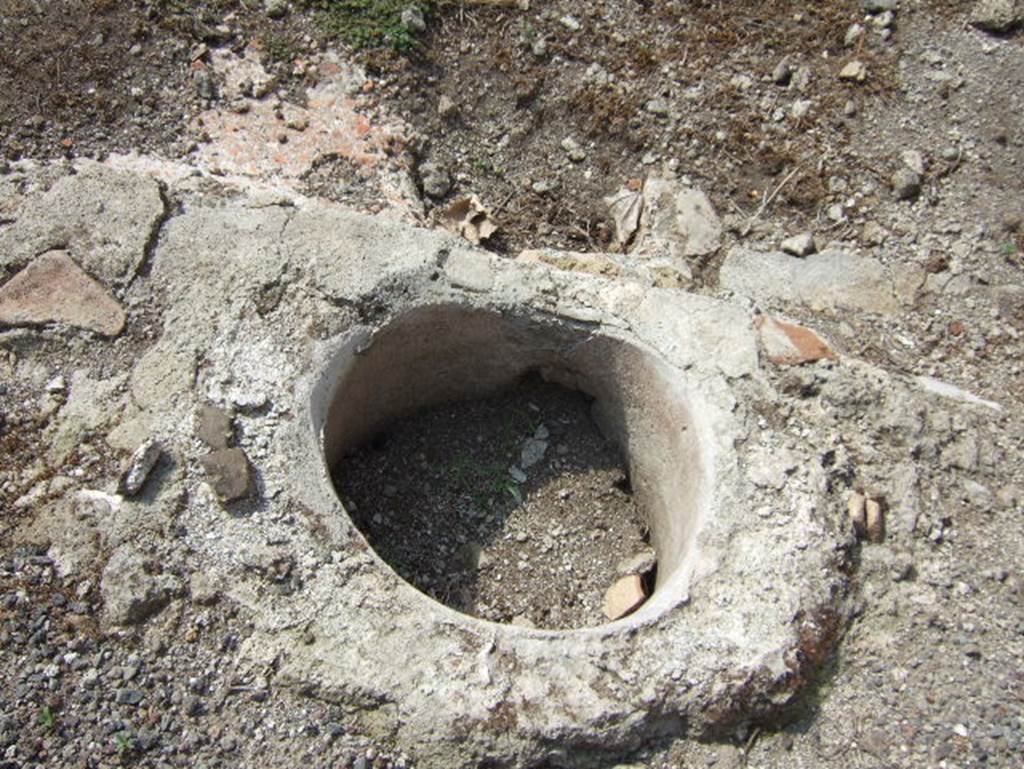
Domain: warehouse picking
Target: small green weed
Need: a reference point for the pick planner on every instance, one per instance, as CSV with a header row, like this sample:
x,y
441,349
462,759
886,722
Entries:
x,y
280,48
1008,249
123,741
485,483
368,23
46,718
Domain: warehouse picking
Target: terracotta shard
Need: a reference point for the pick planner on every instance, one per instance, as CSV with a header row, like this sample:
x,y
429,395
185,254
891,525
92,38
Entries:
x,y
53,289
624,597
787,344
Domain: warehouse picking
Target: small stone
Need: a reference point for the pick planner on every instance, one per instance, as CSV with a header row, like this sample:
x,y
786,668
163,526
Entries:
x,y
56,385
129,696
800,108
471,556
997,15
878,6
275,9
533,452
640,563
446,108
517,475
884,20
573,150
856,513
855,71
854,33
657,107
436,181
799,245
139,467
229,474
874,520
203,589
521,620
53,289
913,160
623,597
782,73
214,429
542,187
412,18
906,185
571,23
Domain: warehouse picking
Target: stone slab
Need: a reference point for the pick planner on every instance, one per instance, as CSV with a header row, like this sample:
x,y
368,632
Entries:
x,y
102,217
830,280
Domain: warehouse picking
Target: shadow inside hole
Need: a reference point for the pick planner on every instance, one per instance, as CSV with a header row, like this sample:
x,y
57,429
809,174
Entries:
x,y
441,496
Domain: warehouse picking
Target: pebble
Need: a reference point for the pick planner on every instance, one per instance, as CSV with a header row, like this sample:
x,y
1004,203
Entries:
x,y
800,108
906,184
799,245
533,451
782,73
446,107
913,160
129,696
412,17
570,23
997,15
657,107
275,9
855,71
139,467
573,150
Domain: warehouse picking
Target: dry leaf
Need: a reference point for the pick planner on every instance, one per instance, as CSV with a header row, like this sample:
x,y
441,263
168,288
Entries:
x,y
626,207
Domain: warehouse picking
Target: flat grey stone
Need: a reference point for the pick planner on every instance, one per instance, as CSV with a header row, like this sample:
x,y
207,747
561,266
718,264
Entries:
x,y
130,594
104,218
826,281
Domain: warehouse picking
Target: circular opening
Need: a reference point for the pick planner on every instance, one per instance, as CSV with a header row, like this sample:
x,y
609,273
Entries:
x,y
516,469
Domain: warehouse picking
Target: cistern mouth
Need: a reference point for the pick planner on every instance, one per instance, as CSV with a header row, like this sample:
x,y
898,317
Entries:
x,y
472,448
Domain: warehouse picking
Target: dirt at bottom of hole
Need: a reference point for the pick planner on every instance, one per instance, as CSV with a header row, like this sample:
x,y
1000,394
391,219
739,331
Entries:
x,y
513,508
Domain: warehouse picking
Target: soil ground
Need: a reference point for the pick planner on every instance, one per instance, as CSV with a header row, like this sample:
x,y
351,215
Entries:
x,y
444,498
